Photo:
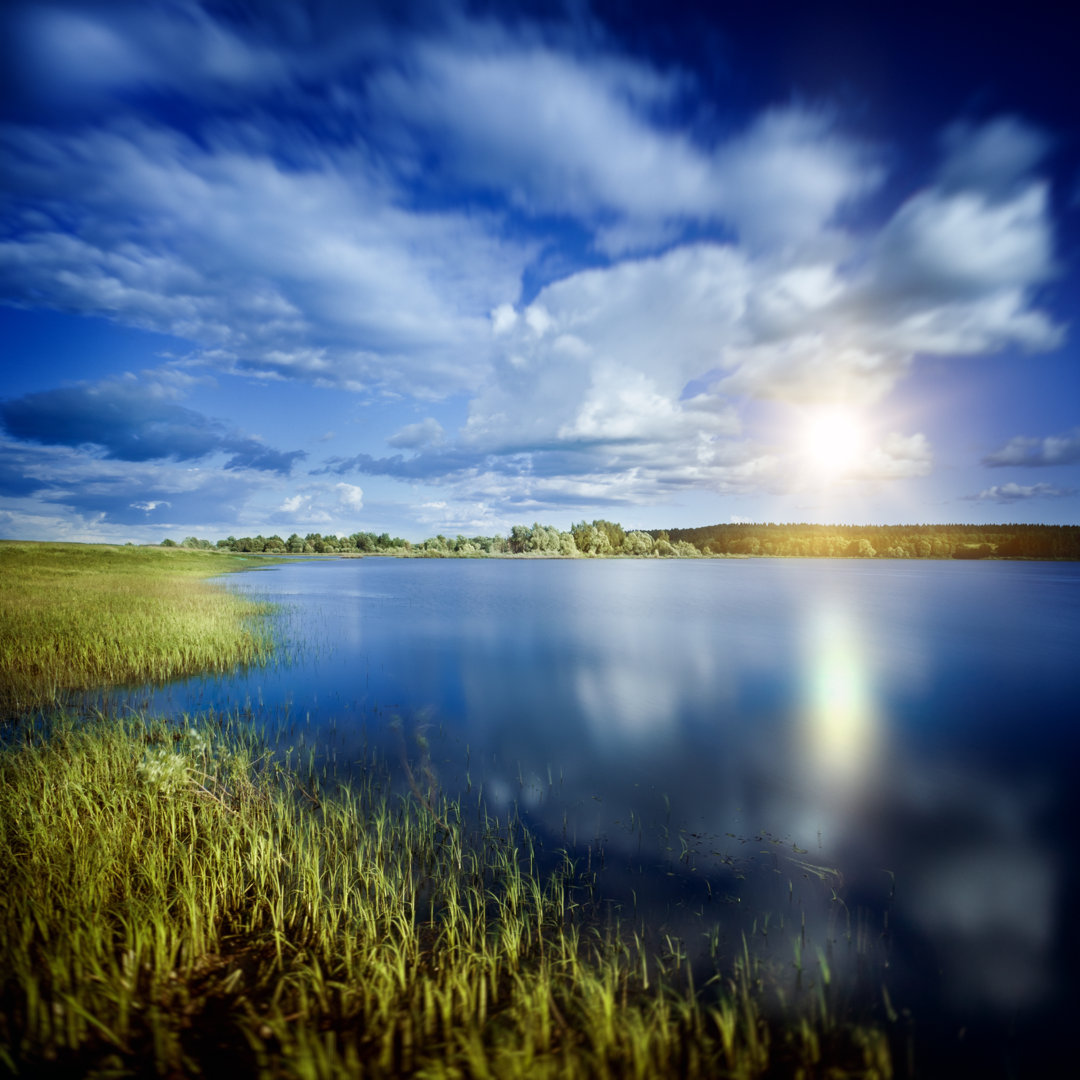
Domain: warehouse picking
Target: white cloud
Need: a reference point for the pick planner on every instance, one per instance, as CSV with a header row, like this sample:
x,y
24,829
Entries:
x,y
302,511
284,255
537,319
897,457
784,180
311,271
503,318
960,245
558,132
1052,450
350,496
800,328
1012,492
428,432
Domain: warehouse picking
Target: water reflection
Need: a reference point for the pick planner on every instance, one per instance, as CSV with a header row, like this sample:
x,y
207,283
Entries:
x,y
982,879
898,722
842,718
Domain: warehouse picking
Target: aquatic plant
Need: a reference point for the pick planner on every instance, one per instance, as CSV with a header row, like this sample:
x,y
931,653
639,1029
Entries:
x,y
184,895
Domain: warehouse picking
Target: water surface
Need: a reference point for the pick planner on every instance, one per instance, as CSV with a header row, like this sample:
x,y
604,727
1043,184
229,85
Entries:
x,y
716,730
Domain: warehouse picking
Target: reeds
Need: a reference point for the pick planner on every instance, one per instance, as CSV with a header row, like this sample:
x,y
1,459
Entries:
x,y
79,616
178,899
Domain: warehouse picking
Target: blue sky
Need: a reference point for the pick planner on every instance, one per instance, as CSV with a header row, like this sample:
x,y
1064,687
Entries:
x,y
429,268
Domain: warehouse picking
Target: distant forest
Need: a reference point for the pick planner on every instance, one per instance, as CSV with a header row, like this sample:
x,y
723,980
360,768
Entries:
x,y
888,541
607,538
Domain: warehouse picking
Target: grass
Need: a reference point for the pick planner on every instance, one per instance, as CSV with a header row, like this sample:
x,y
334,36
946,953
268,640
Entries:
x,y
185,900
79,617
176,900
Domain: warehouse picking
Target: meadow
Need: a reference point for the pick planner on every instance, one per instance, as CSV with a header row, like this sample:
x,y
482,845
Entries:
x,y
78,617
181,897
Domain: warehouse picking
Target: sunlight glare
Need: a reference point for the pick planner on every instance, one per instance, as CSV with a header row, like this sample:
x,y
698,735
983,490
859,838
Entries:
x,y
833,442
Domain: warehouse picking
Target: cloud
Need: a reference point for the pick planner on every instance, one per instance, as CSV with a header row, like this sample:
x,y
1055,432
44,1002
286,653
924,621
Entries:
x,y
632,371
22,472
503,318
592,137
554,130
350,496
957,246
1052,450
788,176
67,54
1012,493
897,457
135,420
321,504
444,204
301,510
427,432
993,158
309,270
141,493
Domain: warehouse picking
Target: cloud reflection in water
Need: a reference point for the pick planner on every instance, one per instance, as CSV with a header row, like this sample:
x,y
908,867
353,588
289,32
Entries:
x,y
890,717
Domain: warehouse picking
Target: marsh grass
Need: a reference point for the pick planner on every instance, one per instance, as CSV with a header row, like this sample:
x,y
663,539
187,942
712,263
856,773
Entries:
x,y
178,900
80,616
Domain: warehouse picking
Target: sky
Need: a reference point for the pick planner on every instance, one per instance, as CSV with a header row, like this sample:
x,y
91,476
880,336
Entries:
x,y
445,268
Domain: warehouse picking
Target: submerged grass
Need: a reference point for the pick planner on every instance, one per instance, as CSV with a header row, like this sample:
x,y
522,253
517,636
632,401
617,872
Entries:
x,y
80,616
176,900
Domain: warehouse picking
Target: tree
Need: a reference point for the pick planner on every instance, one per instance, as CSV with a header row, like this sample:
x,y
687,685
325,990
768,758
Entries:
x,y
638,543
594,540
861,549
519,539
614,532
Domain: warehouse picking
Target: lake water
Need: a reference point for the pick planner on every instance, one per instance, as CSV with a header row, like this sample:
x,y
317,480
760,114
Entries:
x,y
714,733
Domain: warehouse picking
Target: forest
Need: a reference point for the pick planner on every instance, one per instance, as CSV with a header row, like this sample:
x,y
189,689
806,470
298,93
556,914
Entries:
x,y
601,538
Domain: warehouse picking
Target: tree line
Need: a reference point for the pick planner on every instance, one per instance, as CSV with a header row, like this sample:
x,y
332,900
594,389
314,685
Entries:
x,y
601,538
367,543
948,541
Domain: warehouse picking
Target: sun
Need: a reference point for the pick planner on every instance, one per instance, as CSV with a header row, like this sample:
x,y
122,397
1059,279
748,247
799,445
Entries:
x,y
833,442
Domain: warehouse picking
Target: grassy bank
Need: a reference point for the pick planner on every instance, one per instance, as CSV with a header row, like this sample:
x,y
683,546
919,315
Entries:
x,y
176,900
81,616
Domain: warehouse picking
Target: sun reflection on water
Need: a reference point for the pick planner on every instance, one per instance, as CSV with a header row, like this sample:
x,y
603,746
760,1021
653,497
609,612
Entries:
x,y
841,729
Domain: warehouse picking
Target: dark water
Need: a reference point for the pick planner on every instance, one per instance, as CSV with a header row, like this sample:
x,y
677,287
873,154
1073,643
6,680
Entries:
x,y
886,751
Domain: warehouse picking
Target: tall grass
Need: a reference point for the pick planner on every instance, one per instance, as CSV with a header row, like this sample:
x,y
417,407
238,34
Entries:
x,y
79,616
174,899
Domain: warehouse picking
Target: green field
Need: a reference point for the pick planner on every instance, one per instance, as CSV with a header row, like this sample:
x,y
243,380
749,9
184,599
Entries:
x,y
80,616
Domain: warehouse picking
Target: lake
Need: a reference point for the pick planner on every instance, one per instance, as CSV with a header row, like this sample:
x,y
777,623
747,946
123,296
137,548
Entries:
x,y
881,753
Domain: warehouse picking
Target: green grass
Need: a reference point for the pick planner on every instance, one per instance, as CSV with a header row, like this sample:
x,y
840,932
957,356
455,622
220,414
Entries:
x,y
78,616
176,900
180,900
